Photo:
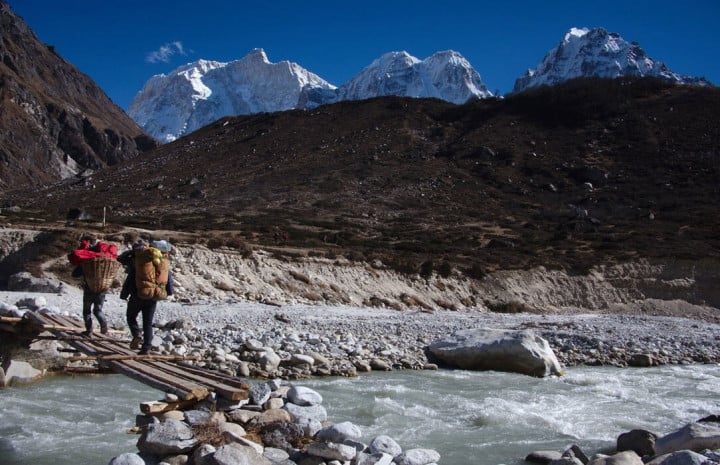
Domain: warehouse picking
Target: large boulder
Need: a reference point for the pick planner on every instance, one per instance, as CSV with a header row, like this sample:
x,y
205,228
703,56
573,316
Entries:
x,y
682,457
15,372
693,436
501,350
640,441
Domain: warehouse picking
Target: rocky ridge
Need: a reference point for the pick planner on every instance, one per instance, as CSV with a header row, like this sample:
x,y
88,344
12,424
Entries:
x,y
56,122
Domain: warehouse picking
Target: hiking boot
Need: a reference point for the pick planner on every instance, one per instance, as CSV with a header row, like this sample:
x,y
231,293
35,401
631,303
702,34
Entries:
x,y
87,334
104,329
143,352
136,343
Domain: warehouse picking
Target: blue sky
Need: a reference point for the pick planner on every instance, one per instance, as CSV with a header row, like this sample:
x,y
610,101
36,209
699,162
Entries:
x,y
121,44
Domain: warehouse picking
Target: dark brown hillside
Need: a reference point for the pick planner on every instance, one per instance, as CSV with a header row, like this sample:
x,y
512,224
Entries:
x,y
593,171
54,120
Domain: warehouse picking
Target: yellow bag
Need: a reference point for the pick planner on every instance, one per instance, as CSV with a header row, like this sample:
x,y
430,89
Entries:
x,y
152,269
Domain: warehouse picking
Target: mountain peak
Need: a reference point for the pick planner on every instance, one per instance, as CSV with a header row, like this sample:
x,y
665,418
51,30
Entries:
x,y
204,91
257,55
596,52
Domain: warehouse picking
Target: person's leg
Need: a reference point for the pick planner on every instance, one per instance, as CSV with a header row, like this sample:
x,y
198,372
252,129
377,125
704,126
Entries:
x,y
131,314
148,313
87,312
98,302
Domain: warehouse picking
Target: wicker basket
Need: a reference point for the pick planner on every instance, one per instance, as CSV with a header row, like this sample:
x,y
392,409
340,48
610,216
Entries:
x,y
100,273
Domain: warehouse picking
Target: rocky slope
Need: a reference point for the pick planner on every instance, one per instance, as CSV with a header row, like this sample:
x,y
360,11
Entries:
x,y
55,121
589,173
206,276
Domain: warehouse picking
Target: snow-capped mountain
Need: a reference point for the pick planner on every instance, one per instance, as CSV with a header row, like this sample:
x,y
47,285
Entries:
x,y
194,95
597,53
445,75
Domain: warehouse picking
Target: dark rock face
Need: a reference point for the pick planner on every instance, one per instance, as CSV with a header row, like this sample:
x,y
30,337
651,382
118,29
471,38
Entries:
x,y
55,121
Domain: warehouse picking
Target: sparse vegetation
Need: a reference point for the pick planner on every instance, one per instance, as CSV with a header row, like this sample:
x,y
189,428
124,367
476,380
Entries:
x,y
566,177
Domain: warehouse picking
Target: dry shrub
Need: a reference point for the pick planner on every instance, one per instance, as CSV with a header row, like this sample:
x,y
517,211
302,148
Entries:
x,y
512,306
299,276
208,433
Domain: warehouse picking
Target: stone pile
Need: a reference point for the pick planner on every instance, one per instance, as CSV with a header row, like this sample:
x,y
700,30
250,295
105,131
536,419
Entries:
x,y
278,425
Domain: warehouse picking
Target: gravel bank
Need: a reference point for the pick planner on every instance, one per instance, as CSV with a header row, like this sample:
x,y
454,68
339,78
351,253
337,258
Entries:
x,y
320,340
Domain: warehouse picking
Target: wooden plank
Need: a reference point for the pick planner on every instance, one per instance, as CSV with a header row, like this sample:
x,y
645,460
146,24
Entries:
x,y
76,329
114,357
224,390
162,407
196,390
132,372
10,319
214,375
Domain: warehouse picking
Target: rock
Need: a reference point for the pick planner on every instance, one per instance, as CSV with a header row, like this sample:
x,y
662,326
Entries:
x,y
566,460
310,426
274,404
241,416
627,457
10,310
180,459
312,412
373,459
641,360
301,360
195,417
385,444
127,459
232,431
202,454
694,436
378,364
303,396
574,452
275,455
273,416
417,457
167,438
332,451
638,440
25,282
259,393
543,456
173,414
236,454
15,373
33,303
339,432
501,350
683,457
269,360
282,435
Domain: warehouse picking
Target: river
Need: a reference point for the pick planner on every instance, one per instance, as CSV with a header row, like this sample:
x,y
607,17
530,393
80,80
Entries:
x,y
480,418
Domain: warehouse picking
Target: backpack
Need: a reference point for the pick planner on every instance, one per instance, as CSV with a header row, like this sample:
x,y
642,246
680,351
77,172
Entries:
x,y
152,269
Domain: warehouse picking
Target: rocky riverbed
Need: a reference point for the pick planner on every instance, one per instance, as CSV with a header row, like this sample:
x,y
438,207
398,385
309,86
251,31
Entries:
x,y
296,341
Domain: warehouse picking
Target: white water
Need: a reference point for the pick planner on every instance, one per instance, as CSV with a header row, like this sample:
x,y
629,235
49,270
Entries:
x,y
469,417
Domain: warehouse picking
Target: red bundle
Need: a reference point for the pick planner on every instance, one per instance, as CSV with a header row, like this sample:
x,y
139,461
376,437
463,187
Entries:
x,y
85,252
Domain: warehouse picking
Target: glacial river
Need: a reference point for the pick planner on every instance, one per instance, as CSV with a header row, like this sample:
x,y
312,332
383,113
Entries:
x,y
479,418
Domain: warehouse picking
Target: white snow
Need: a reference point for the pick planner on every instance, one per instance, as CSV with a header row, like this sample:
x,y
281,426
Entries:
x,y
204,91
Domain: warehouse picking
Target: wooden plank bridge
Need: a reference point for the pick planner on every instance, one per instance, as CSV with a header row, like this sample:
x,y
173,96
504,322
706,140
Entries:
x,y
168,373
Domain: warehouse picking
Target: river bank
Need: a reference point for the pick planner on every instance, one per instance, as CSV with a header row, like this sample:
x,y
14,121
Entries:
x,y
335,340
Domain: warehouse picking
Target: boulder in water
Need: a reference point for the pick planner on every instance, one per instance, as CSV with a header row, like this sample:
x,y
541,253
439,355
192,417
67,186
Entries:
x,y
500,350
